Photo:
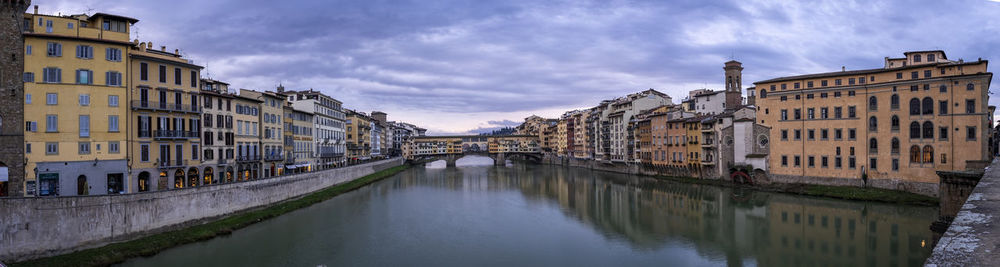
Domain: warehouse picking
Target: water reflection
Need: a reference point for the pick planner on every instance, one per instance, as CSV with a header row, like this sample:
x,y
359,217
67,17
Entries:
x,y
731,223
478,214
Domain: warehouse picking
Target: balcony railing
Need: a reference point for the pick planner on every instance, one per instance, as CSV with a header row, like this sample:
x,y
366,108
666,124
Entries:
x,y
330,155
171,163
174,134
247,158
165,106
273,157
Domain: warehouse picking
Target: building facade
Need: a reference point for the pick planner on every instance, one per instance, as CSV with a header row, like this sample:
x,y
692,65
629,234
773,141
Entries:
x,y
329,129
248,142
165,126
303,142
73,141
272,110
218,140
897,125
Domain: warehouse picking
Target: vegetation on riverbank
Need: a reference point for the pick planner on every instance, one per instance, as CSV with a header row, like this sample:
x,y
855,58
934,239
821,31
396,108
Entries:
x,y
840,192
150,245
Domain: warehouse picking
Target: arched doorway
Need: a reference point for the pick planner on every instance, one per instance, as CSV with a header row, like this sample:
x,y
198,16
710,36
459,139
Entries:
x,y
208,176
179,178
272,171
143,180
192,177
162,183
229,174
81,186
255,171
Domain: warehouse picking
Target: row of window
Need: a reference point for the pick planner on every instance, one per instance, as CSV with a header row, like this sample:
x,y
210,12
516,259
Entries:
x,y
83,76
224,121
824,113
246,110
54,49
144,74
52,148
165,153
84,99
52,124
210,138
918,155
913,88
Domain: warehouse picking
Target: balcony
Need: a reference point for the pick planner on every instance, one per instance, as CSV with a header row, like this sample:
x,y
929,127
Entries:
x,y
222,160
331,155
174,134
273,157
247,158
163,106
171,163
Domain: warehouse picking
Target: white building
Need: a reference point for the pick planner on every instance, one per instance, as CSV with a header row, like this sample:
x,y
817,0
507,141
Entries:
x,y
328,133
615,119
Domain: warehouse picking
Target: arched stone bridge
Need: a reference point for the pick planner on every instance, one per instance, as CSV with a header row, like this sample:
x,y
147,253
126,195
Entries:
x,y
452,148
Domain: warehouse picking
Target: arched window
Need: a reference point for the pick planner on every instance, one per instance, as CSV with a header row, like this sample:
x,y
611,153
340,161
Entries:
x,y
872,124
928,154
928,106
928,130
895,145
914,154
894,101
914,130
914,106
943,88
872,103
873,146
970,87
895,123
763,93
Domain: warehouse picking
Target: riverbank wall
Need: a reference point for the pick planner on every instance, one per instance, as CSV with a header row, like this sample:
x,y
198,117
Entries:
x,y
41,227
759,177
973,236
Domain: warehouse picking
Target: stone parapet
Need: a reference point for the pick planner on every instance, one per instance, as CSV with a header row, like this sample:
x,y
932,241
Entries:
x,y
46,226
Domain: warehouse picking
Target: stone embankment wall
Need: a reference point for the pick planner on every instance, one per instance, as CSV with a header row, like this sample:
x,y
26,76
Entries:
x,y
927,189
40,227
973,237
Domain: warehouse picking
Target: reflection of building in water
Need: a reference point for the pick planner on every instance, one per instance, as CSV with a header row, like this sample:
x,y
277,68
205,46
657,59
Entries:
x,y
737,225
808,231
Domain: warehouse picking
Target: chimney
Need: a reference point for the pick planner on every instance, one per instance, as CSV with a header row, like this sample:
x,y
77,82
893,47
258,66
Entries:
x,y
36,9
163,48
843,68
177,51
149,45
142,46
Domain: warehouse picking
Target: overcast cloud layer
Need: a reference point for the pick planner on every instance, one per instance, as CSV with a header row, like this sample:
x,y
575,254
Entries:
x,y
453,66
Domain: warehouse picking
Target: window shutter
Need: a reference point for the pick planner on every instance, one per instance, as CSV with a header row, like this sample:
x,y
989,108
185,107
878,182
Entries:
x,y
58,49
58,72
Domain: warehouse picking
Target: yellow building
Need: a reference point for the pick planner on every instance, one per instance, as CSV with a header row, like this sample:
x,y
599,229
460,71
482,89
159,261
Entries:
x,y
896,125
165,120
692,126
75,124
358,131
271,130
562,131
247,117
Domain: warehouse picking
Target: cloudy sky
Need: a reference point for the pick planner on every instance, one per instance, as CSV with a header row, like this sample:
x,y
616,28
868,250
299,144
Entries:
x,y
453,66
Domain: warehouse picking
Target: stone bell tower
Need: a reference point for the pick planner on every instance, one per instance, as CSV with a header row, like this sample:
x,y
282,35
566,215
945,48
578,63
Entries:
x,y
734,84
12,97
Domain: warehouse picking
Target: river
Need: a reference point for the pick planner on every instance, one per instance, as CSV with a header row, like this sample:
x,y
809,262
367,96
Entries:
x,y
543,215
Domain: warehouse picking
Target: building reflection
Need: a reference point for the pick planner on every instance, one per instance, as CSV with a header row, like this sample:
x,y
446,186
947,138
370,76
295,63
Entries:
x,y
733,224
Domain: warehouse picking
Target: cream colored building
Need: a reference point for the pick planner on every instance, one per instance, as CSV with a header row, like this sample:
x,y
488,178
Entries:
x,y
271,130
896,125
